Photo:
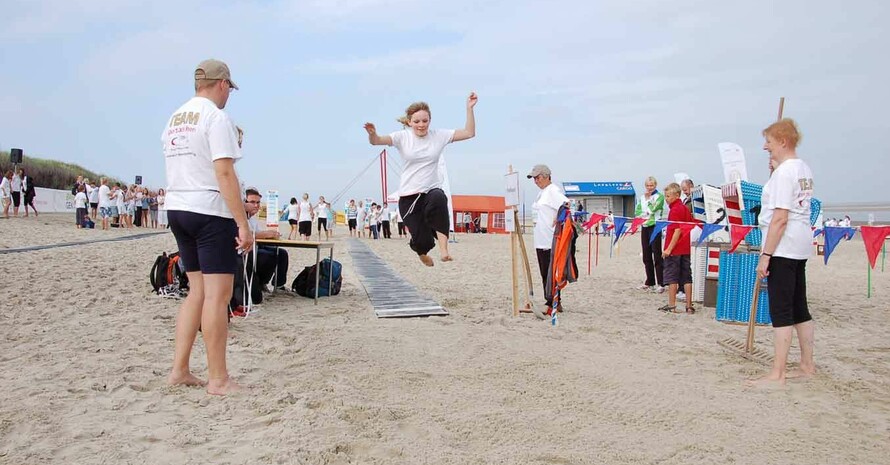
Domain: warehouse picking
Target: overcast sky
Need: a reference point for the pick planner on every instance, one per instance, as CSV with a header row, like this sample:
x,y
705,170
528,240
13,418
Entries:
x,y
599,90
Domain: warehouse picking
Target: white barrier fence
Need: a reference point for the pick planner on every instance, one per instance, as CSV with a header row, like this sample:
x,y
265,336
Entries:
x,y
53,200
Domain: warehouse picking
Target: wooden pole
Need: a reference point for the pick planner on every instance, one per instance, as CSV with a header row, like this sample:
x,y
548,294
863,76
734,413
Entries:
x,y
752,318
513,273
597,259
588,252
781,108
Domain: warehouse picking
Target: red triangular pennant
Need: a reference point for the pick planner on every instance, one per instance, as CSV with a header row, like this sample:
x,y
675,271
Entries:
x,y
737,233
873,238
635,224
594,219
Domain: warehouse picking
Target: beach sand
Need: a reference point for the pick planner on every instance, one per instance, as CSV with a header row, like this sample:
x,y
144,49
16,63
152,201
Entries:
x,y
85,348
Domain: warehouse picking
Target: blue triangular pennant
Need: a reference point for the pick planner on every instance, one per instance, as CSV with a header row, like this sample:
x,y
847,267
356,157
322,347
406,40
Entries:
x,y
620,223
660,226
833,236
706,230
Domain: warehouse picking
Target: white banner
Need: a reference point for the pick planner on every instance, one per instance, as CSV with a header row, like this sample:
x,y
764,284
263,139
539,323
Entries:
x,y
734,166
512,197
272,209
509,224
53,200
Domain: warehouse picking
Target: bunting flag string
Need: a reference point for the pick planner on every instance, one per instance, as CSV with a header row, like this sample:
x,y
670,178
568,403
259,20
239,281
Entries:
x,y
873,236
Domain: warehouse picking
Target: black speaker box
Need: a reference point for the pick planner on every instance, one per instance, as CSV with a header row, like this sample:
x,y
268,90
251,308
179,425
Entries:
x,y
15,156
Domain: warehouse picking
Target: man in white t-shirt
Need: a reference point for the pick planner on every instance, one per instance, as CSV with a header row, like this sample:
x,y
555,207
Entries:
x,y
104,202
545,208
207,217
788,243
270,260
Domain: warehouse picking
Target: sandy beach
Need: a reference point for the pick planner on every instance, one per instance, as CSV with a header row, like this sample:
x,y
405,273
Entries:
x,y
85,348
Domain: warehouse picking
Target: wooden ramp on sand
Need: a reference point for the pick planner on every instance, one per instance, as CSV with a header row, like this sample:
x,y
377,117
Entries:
x,y
391,296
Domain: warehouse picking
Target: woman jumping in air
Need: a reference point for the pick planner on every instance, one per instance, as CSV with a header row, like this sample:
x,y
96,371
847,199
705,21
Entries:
x,y
422,202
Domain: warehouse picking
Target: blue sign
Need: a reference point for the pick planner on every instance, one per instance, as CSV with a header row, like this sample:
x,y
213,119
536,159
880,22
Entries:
x,y
598,188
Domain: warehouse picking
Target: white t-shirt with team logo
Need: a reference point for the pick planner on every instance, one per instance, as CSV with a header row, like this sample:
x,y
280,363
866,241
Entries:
x,y
104,200
790,188
420,172
545,207
196,135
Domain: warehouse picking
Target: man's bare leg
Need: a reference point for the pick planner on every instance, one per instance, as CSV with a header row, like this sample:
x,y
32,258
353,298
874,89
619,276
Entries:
x,y
443,246
806,336
782,344
215,331
187,321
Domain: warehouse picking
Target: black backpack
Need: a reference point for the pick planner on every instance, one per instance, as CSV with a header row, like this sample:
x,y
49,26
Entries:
x,y
168,276
304,283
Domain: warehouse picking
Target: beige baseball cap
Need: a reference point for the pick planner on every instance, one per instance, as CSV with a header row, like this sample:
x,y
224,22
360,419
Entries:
x,y
539,170
213,69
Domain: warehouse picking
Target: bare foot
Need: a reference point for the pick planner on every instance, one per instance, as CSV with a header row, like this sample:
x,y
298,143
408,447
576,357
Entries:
x,y
222,387
800,373
427,260
769,381
447,258
185,379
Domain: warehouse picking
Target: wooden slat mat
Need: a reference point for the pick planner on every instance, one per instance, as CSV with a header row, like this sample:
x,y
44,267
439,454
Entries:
x,y
391,296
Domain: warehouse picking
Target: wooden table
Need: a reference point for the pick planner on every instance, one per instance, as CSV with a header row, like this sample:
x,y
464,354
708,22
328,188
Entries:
x,y
318,246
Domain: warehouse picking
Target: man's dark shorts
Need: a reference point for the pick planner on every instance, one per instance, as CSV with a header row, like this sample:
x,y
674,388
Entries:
x,y
352,224
787,290
16,199
206,242
677,270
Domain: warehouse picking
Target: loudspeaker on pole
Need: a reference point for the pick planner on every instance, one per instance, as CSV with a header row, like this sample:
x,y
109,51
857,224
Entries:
x,y
16,156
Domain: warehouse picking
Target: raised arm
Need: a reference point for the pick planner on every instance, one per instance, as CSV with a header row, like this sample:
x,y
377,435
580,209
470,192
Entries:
x,y
469,131
375,139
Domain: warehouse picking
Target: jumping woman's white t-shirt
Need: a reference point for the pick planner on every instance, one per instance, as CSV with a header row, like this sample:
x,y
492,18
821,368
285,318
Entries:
x,y
790,188
305,211
420,172
196,135
293,210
